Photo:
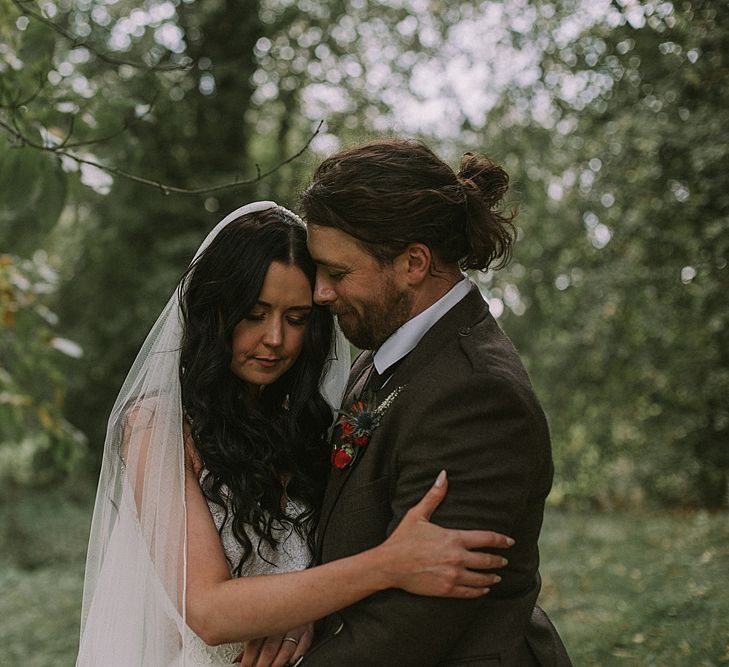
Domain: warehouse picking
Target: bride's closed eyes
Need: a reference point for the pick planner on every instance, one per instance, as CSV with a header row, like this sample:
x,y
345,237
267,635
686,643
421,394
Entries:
x,y
296,320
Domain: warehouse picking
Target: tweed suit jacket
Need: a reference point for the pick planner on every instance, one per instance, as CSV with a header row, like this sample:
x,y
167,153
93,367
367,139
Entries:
x,y
466,406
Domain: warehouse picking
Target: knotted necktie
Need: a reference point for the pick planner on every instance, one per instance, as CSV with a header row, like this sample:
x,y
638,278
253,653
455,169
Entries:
x,y
376,381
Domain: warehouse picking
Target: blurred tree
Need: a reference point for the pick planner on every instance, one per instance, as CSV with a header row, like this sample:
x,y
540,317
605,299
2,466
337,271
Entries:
x,y
627,239
239,104
37,444
159,92
610,116
140,240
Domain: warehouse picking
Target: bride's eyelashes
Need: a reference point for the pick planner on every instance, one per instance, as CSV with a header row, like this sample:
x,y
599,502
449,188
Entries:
x,y
296,320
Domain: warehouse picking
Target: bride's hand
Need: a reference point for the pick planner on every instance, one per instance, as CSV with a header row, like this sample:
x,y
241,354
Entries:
x,y
279,650
425,559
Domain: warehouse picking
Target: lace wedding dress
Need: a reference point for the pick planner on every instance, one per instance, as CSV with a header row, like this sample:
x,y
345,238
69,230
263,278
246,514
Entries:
x,y
292,553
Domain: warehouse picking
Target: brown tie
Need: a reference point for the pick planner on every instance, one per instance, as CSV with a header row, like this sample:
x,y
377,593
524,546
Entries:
x,y
375,381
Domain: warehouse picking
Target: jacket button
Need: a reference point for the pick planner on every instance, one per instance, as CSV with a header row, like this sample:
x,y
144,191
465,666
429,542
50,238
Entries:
x,y
340,627
464,331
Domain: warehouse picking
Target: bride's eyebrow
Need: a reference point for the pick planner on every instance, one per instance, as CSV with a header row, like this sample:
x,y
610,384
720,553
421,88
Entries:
x,y
268,305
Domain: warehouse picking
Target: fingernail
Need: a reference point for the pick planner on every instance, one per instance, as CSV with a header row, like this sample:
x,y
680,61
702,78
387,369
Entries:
x,y
504,562
440,479
497,579
510,541
486,590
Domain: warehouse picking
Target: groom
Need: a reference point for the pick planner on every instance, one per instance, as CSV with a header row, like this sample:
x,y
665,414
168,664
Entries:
x,y
390,227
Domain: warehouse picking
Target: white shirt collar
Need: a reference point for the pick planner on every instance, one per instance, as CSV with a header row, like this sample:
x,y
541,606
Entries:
x,y
409,334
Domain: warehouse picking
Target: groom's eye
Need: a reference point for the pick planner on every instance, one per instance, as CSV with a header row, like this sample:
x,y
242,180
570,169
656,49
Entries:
x,y
337,276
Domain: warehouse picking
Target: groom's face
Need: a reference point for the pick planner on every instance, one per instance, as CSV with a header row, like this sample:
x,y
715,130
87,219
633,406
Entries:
x,y
370,299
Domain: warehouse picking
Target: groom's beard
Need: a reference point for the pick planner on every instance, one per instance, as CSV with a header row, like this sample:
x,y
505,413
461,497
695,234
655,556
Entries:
x,y
375,321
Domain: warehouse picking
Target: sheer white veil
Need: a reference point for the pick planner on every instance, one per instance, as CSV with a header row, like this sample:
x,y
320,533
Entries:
x,y
133,610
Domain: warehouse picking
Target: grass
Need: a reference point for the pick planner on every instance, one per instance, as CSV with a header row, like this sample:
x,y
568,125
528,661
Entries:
x,y
639,589
43,537
623,589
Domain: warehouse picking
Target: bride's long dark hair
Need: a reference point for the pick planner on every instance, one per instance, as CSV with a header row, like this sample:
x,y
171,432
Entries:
x,y
250,448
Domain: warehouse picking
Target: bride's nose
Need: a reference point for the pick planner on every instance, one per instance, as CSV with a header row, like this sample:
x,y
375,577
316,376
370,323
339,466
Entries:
x,y
273,335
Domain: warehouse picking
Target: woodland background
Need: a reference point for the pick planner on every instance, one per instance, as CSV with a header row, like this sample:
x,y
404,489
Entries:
x,y
127,129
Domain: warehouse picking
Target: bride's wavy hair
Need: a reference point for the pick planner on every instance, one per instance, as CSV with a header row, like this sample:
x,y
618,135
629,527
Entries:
x,y
248,449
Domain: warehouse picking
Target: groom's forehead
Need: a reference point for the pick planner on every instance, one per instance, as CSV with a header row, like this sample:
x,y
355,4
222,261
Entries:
x,y
332,247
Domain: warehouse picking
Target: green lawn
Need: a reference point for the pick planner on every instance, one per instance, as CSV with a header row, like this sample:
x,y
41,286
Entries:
x,y
623,589
43,538
639,589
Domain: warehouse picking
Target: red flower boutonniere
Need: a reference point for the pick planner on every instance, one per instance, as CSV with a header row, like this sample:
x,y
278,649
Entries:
x,y
356,427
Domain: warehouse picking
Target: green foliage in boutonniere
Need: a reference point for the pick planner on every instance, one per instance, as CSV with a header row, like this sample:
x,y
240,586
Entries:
x,y
356,426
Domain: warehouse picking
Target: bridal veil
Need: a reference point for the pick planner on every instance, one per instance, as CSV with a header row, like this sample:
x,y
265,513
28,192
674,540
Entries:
x,y
133,611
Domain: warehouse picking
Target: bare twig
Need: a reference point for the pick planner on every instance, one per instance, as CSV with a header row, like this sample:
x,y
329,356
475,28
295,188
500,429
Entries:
x,y
18,132
127,124
69,132
17,103
105,57
62,151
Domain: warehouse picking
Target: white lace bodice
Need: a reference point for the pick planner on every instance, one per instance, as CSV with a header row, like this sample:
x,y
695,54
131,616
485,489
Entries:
x,y
292,553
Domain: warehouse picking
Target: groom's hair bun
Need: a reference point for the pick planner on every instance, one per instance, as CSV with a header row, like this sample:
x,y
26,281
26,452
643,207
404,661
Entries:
x,y
490,231
390,193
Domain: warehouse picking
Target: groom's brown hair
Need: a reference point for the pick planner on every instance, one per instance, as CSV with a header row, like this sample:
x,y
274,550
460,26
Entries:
x,y
391,193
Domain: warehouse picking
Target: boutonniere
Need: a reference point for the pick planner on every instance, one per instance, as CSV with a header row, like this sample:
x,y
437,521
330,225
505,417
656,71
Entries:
x,y
356,427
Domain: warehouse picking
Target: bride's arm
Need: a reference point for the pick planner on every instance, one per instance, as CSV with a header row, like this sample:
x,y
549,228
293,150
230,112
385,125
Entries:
x,y
419,557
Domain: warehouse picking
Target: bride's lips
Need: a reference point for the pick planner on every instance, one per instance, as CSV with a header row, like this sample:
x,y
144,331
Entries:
x,y
266,362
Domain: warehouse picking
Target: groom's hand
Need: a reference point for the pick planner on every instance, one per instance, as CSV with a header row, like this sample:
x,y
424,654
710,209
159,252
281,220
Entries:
x,y
426,559
277,650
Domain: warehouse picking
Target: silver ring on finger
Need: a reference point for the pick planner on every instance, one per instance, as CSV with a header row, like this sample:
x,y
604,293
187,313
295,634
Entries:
x,y
291,639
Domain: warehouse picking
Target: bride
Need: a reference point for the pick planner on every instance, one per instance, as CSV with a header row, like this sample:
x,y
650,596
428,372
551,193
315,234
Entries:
x,y
214,467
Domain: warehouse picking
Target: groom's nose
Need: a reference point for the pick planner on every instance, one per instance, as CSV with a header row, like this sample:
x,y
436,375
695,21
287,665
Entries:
x,y
323,293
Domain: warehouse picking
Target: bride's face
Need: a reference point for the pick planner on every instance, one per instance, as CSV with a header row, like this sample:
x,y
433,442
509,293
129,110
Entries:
x,y
268,341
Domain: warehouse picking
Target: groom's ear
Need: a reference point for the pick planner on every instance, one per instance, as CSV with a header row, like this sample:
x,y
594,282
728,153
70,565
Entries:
x,y
416,261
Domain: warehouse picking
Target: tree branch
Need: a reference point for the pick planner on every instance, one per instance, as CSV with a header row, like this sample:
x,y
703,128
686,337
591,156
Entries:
x,y
17,103
166,189
100,140
79,42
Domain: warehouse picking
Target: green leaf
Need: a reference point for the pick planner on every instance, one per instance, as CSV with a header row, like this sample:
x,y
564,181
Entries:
x,y
32,195
38,43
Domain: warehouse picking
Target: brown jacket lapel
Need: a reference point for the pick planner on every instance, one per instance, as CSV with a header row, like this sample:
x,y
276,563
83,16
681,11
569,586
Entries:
x,y
357,380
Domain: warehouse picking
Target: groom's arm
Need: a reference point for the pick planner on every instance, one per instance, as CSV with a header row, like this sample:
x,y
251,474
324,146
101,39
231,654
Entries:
x,y
490,436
